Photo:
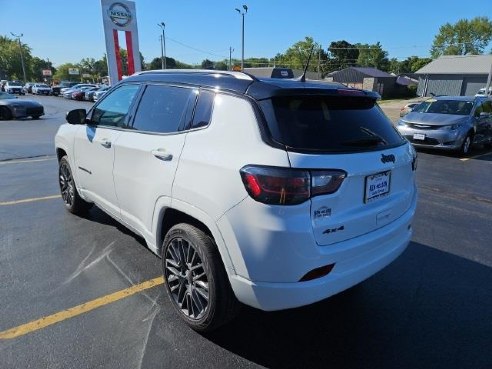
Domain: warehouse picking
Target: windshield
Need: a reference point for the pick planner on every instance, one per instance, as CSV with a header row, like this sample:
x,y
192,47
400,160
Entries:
x,y
454,107
329,123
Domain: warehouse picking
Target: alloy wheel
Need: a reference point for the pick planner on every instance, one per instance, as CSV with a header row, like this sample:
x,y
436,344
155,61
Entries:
x,y
186,278
66,184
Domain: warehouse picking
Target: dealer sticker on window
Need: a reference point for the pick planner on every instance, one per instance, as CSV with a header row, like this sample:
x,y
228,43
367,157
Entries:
x,y
377,186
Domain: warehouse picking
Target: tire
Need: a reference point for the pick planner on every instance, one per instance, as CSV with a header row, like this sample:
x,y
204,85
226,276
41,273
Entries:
x,y
196,280
465,148
5,113
35,117
73,202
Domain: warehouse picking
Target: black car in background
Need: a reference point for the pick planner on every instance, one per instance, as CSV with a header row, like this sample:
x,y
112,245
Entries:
x,y
12,108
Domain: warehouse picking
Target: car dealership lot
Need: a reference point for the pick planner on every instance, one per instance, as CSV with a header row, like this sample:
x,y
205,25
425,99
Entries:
x,y
431,308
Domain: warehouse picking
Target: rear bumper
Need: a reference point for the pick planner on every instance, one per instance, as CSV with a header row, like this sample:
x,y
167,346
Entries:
x,y
355,260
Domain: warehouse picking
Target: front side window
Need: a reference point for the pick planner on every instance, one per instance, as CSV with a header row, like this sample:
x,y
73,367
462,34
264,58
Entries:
x,y
163,109
113,110
487,106
329,123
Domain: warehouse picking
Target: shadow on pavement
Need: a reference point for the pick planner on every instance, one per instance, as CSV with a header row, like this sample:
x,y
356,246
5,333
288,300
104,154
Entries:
x,y
427,310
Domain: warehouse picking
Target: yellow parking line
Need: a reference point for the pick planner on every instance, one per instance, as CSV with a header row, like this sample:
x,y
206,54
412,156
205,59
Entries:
x,y
15,202
79,309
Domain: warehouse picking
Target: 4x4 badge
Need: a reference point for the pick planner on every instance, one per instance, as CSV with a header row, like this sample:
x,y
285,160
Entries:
x,y
388,158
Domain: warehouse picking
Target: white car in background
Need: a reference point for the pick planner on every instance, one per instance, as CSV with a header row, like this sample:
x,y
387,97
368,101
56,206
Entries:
x,y
481,92
273,193
41,89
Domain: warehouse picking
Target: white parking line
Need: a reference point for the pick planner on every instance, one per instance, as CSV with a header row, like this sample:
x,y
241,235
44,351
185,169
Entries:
x,y
33,160
475,157
15,202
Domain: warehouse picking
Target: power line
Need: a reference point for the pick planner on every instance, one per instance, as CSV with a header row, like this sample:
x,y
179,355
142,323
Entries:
x,y
196,49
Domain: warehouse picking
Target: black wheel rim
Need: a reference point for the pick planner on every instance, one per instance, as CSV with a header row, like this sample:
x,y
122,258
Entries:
x,y
67,187
186,278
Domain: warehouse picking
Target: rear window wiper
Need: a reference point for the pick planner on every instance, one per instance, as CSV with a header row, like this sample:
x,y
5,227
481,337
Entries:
x,y
373,140
364,142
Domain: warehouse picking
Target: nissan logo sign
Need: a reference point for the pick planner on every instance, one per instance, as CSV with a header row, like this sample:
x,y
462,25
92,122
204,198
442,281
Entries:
x,y
119,14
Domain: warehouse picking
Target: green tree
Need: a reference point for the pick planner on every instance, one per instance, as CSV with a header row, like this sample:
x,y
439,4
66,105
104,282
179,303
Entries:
x,y
10,58
297,55
63,75
221,65
36,69
207,64
341,54
463,37
409,65
373,56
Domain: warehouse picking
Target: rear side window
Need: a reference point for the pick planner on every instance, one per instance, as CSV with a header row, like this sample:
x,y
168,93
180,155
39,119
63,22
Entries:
x,y
163,109
203,110
329,123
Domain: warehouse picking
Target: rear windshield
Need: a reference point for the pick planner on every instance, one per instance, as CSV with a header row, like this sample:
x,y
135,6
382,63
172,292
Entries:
x,y
329,123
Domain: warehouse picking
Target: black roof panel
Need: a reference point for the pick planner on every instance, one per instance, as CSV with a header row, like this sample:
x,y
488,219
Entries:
x,y
240,83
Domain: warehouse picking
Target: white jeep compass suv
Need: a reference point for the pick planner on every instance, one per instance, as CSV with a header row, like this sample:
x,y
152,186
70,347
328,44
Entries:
x,y
273,193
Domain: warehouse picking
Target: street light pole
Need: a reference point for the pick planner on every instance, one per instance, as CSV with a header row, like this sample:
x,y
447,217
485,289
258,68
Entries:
x,y
163,45
242,13
162,52
22,57
230,57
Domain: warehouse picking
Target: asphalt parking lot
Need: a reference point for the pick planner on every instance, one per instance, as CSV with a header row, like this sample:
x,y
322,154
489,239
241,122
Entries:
x,y
87,293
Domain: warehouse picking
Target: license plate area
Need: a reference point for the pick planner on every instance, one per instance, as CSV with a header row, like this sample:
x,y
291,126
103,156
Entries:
x,y
419,136
377,186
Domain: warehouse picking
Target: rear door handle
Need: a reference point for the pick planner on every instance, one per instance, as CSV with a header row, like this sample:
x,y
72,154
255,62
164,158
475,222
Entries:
x,y
106,143
162,154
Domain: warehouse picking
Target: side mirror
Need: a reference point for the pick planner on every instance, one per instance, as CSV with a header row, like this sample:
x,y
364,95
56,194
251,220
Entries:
x,y
76,116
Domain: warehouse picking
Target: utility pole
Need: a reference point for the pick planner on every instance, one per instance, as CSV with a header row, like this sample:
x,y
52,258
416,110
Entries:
x,y
162,52
22,56
163,45
242,13
230,57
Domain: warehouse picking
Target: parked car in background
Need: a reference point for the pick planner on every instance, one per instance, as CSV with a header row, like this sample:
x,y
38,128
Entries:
x,y
41,89
67,93
481,92
276,193
14,87
100,93
79,93
12,108
449,123
89,94
28,87
408,108
56,89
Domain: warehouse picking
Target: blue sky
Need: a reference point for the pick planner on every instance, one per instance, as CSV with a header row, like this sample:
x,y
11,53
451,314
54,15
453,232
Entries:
x,y
68,30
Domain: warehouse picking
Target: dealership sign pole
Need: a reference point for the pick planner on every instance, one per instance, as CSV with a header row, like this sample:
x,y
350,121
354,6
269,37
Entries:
x,y
120,16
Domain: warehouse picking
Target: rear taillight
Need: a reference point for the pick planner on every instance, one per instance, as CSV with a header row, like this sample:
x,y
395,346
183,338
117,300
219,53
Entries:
x,y
286,186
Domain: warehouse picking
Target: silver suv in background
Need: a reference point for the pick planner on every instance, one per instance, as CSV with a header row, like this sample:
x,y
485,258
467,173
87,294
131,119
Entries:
x,y
449,123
